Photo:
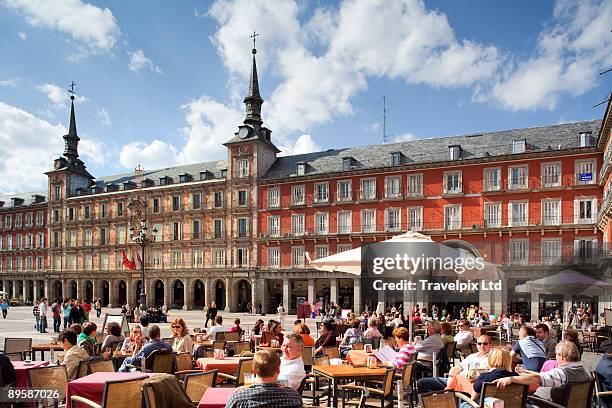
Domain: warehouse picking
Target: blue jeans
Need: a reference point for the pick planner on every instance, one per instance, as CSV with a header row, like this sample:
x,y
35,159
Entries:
x,y
42,324
430,384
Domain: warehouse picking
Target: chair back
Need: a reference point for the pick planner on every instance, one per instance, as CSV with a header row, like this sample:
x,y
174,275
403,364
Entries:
x,y
514,332
408,376
331,352
149,396
83,369
218,344
123,393
54,377
209,353
101,366
168,340
114,346
300,389
438,399
18,346
375,342
197,383
474,348
182,362
578,395
163,363
357,346
245,367
219,336
232,336
451,347
514,395
318,361
197,330
388,383
307,355
241,346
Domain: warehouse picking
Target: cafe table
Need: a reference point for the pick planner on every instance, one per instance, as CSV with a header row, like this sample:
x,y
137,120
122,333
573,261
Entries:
x,y
216,397
21,368
92,386
42,347
227,365
336,373
277,348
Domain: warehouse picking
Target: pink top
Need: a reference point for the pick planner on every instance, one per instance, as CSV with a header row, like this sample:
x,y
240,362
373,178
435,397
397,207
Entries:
x,y
403,356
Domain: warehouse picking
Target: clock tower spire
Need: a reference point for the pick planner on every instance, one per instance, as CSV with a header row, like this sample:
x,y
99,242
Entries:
x,y
253,100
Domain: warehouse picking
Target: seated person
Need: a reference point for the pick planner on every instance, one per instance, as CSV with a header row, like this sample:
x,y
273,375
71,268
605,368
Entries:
x,y
327,338
182,340
353,334
272,332
134,342
303,330
114,336
372,330
433,342
154,344
258,327
217,328
292,365
464,336
552,384
404,355
572,335
542,333
87,338
530,349
236,327
266,392
73,354
603,371
499,362
7,371
446,332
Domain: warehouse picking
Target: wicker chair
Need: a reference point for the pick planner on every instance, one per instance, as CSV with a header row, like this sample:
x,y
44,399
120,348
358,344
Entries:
x,y
17,348
576,395
315,379
83,369
408,382
598,393
451,348
197,383
104,366
55,377
184,365
149,396
245,367
219,344
232,336
117,394
219,336
514,395
438,399
241,346
307,356
331,352
382,397
168,340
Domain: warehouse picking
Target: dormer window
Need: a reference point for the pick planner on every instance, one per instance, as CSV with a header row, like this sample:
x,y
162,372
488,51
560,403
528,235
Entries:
x,y
129,185
519,146
347,163
166,180
397,158
185,177
301,168
111,188
454,152
586,139
16,202
147,183
223,173
206,175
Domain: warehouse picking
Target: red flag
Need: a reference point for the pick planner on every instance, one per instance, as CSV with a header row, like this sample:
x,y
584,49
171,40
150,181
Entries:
x,y
138,257
131,265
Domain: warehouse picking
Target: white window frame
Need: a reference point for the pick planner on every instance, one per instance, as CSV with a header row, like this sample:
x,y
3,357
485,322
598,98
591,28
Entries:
x,y
274,197
578,251
274,229
298,224
578,164
522,257
345,228
274,258
496,220
369,194
453,224
459,187
321,251
218,257
415,223
297,257
242,168
577,216
395,189
551,250
491,184
397,225
321,223
343,248
525,178
549,218
298,195
340,189
322,188
414,185
371,227
549,180
519,146
518,223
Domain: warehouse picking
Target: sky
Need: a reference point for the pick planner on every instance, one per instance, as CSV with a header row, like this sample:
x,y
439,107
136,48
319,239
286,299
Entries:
x,y
161,84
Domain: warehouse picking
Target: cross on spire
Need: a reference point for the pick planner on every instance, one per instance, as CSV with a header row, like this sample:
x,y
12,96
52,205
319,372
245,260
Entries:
x,y
254,37
72,85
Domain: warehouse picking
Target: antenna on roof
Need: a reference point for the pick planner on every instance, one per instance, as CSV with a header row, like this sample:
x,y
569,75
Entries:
x,y
386,105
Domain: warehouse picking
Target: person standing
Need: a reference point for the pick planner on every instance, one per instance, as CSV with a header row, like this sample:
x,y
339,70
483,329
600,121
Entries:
x,y
211,313
42,312
57,317
86,309
5,307
98,307
36,313
280,310
76,313
66,307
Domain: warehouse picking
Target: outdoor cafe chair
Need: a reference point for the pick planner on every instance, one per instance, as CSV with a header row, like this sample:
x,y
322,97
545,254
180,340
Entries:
x,y
104,366
598,394
313,380
17,348
159,361
245,367
241,346
197,383
53,377
218,345
375,342
331,352
514,395
83,369
377,397
451,348
576,395
117,394
232,336
219,336
438,399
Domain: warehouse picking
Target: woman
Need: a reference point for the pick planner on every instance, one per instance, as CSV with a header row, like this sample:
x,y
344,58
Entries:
x,y
134,342
272,332
447,333
258,328
303,330
87,338
402,338
499,362
372,330
353,334
236,327
114,336
327,338
182,340
572,335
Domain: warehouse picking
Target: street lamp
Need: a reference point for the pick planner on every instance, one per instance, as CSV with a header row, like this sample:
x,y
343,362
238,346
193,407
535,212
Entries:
x,y
142,240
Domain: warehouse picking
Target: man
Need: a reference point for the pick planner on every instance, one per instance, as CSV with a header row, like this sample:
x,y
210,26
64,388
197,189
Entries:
x,y
211,313
154,344
542,332
530,349
7,371
397,321
604,371
292,365
464,336
56,313
73,354
36,314
552,383
266,392
76,313
432,344
217,328
475,360
5,307
42,313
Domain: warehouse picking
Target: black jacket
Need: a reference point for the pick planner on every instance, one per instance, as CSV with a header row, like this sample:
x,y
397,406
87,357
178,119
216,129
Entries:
x,y
7,370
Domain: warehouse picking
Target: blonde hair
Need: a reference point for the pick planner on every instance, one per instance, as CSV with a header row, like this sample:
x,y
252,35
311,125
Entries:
x,y
499,358
401,333
178,320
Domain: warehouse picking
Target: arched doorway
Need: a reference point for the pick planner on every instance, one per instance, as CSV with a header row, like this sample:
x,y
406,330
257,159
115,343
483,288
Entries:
x,y
41,285
57,290
122,293
105,293
243,290
220,294
72,289
178,294
138,289
159,293
198,295
88,291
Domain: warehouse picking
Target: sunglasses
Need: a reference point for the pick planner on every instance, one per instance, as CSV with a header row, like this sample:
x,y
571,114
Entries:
x,y
177,327
483,344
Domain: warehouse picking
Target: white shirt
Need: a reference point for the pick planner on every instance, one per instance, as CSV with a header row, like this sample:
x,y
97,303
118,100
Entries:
x,y
475,358
217,329
293,371
464,338
42,309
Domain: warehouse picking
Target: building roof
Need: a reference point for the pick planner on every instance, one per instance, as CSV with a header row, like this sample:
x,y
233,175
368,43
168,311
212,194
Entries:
x,y
473,146
27,199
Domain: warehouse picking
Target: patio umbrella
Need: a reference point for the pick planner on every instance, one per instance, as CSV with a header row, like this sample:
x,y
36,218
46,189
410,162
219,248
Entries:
x,y
3,293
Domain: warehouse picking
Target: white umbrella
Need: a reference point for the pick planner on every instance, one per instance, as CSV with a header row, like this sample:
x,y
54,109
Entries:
x,y
566,282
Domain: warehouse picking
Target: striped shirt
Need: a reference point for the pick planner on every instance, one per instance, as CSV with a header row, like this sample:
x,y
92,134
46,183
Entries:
x,y
269,395
403,357
557,377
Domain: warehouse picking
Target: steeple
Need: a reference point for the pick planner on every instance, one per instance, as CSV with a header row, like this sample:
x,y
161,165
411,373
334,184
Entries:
x,y
71,140
253,100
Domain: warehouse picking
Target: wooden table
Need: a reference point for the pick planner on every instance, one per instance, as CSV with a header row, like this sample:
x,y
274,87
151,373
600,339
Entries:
x,y
277,349
42,347
216,397
345,372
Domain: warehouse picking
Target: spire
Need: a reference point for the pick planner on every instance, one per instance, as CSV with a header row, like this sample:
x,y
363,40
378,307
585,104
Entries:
x,y
71,140
253,100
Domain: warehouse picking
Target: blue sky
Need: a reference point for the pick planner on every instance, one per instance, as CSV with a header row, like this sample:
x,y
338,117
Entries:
x,y
162,85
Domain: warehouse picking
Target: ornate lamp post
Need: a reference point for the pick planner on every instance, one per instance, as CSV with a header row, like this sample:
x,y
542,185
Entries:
x,y
141,239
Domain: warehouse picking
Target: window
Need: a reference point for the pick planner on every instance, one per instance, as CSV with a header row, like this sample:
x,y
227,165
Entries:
x,y
585,249
103,261
18,240
415,218
344,247
120,209
454,152
218,257
345,192
196,201
9,242
551,251
452,217
519,251
176,259
321,192
196,230
297,257
157,258
274,197
347,162
40,218
72,238
517,214
159,227
86,212
71,262
40,263
551,175
103,236
274,258
29,219
321,223
393,187
18,221
392,219
297,195
197,258
30,263
242,168
8,220
176,203
492,180
452,182
585,210
177,231
18,263
519,146
242,257
156,206
551,212
368,189
56,240
492,215
41,240
29,241
297,224
218,228
243,227
121,234
396,158
87,237
415,185
345,220
57,263
57,193
321,251
56,217
585,172
586,139
301,169
274,226
368,221
517,178
243,198
218,199
103,211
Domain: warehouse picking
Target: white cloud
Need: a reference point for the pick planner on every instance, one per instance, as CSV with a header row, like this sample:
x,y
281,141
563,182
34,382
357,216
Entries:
x,y
105,119
95,29
94,150
303,144
58,96
157,154
403,137
23,36
138,61
13,82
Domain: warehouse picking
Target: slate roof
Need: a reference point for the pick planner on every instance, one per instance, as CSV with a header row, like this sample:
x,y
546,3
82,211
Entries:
x,y
556,137
27,199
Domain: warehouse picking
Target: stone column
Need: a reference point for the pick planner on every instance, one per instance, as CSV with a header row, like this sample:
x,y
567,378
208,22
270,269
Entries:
x,y
333,291
357,295
36,290
206,293
187,291
24,290
79,287
286,294
14,290
227,295
65,292
535,306
113,292
254,295
311,292
167,293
